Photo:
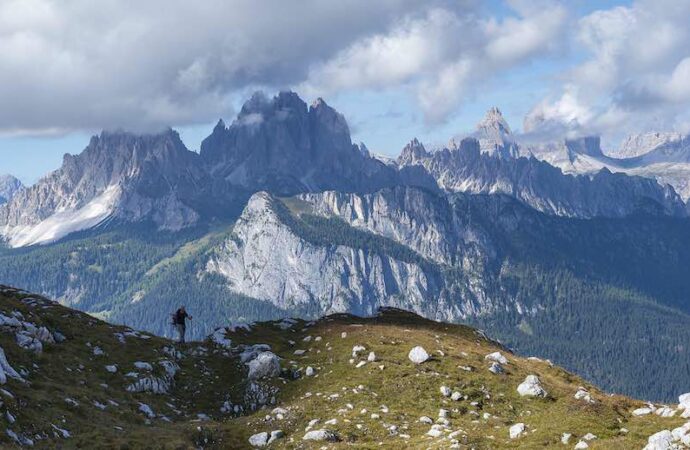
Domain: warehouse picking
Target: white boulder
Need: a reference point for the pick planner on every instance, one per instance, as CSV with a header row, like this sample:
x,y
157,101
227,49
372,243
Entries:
x,y
418,355
265,365
143,365
531,387
663,440
445,391
516,430
321,435
6,370
259,439
497,357
356,349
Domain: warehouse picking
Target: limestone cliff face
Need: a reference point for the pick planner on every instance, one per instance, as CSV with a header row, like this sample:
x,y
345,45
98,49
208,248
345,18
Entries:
x,y
267,259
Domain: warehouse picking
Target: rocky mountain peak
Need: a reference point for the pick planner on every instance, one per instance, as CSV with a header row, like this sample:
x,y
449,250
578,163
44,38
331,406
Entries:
x,y
9,185
412,152
494,124
643,143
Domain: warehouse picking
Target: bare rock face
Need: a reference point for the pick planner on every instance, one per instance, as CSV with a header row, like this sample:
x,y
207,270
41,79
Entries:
x,y
9,186
268,258
119,176
465,168
282,146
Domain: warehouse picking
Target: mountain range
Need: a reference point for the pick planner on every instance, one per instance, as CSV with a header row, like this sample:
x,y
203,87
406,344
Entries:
x,y
279,214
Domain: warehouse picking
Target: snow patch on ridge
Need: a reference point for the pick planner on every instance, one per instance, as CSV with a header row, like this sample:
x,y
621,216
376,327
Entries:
x,y
65,222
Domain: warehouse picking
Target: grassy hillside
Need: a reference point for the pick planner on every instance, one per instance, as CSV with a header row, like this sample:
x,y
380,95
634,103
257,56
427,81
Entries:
x,y
67,388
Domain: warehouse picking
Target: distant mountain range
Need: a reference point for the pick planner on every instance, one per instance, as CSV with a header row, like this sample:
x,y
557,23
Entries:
x,y
284,147
281,214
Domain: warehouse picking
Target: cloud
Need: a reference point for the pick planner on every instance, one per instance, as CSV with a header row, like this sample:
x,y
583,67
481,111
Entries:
x,y
77,64
444,54
635,75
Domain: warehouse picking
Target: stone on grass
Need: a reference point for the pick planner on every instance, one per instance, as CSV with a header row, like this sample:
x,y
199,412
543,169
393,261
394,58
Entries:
x,y
581,445
275,435
445,391
146,409
456,396
663,440
642,411
111,368
516,430
143,365
496,368
310,372
565,438
356,349
418,355
259,439
265,365
371,357
321,435
497,357
531,387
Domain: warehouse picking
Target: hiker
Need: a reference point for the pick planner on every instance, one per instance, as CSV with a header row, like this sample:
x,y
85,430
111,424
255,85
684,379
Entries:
x,y
179,322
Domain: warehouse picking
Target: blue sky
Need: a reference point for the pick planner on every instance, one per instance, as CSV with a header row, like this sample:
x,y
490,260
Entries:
x,y
396,69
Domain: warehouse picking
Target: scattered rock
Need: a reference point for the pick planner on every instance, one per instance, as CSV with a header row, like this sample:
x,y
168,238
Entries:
x,y
143,365
310,372
581,445
418,355
663,440
155,385
516,430
583,394
6,369
445,391
497,357
496,368
321,435
259,439
531,387
642,411
565,438
371,357
265,365
456,396
146,409
356,349
275,435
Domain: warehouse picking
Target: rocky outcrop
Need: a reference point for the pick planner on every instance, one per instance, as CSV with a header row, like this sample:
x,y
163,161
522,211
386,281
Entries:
x,y
267,257
119,176
282,146
9,186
